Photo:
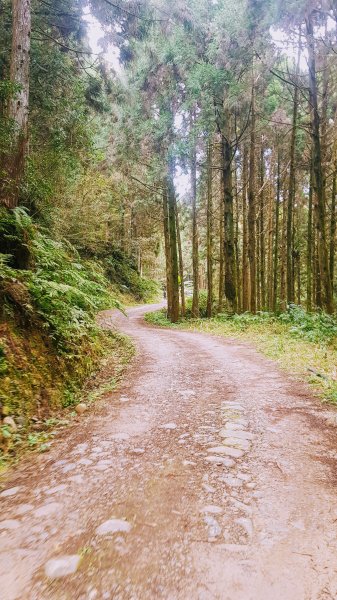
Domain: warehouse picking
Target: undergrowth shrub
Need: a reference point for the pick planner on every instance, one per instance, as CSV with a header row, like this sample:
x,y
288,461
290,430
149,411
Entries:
x,y
59,291
202,305
122,271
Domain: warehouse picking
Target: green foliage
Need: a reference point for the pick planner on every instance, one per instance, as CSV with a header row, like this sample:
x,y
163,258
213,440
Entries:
x,y
315,327
121,270
59,290
202,305
159,318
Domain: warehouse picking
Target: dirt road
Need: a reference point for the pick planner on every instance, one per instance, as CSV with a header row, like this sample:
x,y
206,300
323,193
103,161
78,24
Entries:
x,y
209,475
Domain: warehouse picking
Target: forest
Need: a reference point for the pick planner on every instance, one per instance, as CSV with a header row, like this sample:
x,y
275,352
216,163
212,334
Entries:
x,y
186,147
168,299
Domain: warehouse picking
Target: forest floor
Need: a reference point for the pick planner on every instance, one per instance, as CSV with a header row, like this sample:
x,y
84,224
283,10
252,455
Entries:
x,y
209,474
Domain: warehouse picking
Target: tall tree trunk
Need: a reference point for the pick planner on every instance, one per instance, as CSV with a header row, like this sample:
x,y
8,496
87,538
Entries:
x,y
236,243
173,242
252,208
167,250
333,228
292,187
262,233
209,210
270,218
195,240
283,271
229,250
221,241
245,261
18,104
323,256
309,243
181,265
277,227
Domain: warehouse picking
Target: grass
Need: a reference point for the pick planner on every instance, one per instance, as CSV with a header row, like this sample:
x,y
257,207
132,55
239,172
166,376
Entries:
x,y
296,340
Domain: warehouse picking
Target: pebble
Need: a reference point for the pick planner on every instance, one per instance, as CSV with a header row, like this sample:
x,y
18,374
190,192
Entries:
x,y
80,448
242,506
238,424
9,524
208,488
81,408
9,421
251,485
69,467
214,529
10,492
212,508
232,441
113,526
232,481
120,436
101,467
235,405
85,461
246,524
169,426
22,509
57,488
220,460
47,509
137,451
244,476
234,452
62,566
236,433
76,478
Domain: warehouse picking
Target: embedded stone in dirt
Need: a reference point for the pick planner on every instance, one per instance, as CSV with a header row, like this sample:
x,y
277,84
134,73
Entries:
x,y
236,433
234,452
233,441
214,529
113,526
124,399
208,488
120,436
9,524
69,467
47,509
62,566
169,426
80,448
232,481
137,451
238,424
10,492
23,509
246,524
220,460
85,461
57,488
212,508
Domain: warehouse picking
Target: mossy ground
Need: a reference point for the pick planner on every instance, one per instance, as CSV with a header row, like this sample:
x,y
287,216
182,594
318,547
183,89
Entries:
x,y
277,340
